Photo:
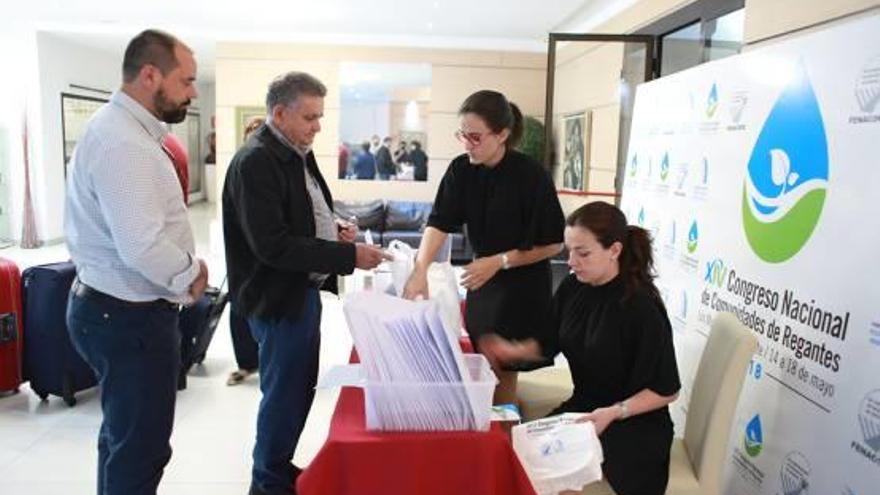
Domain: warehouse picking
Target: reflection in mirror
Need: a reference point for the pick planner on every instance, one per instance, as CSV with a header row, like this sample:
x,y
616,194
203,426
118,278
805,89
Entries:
x,y
76,110
383,125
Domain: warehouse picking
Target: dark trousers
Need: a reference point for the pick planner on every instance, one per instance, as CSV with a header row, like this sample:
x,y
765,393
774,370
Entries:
x,y
135,352
289,352
243,344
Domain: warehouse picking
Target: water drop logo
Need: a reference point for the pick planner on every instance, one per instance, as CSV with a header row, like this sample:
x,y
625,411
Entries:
x,y
787,180
634,165
641,218
664,167
683,309
693,237
754,438
712,102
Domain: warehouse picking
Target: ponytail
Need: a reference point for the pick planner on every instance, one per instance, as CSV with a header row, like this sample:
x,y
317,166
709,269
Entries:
x,y
637,261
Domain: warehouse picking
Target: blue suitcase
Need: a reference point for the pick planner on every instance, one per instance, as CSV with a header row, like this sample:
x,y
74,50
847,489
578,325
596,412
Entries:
x,y
51,363
197,325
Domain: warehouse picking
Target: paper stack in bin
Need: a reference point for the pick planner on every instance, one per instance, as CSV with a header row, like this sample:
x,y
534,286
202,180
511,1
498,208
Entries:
x,y
417,378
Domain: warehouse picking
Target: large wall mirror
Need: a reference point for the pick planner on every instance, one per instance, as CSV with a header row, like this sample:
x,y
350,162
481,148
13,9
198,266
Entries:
x,y
591,81
383,129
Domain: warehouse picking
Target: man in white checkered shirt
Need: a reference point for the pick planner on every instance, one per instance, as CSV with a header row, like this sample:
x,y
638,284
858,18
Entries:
x,y
128,234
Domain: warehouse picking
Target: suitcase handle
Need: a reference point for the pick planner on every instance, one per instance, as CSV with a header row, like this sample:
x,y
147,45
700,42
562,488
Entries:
x,y
8,328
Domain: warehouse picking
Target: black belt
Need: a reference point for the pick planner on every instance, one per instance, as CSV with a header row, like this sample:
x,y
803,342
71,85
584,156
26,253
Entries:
x,y
80,289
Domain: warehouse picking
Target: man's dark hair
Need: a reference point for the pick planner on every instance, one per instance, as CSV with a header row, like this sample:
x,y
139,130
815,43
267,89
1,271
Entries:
x,y
152,47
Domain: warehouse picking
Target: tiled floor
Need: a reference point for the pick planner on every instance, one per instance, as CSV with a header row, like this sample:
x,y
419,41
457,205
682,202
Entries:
x,y
47,448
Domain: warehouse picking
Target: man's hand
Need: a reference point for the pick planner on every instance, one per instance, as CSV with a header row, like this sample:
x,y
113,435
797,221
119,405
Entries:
x,y
197,288
347,231
368,257
480,271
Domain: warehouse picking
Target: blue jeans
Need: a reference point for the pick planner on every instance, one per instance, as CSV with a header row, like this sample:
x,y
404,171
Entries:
x,y
288,353
135,352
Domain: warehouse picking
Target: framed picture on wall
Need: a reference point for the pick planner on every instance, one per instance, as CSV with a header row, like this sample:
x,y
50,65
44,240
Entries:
x,y
574,151
242,115
76,110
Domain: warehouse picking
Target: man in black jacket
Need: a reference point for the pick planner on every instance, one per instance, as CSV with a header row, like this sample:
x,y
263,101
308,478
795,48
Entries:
x,y
384,164
282,246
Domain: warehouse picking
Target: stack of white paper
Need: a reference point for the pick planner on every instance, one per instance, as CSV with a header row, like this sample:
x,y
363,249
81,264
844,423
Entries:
x,y
416,375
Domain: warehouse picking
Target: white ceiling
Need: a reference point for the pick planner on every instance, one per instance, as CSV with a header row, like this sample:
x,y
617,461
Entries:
x,y
520,25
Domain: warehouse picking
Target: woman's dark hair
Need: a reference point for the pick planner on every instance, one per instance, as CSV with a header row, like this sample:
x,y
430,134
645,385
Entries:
x,y
609,225
496,112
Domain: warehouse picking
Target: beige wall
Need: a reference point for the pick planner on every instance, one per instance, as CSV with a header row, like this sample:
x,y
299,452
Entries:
x,y
770,18
764,19
586,80
244,70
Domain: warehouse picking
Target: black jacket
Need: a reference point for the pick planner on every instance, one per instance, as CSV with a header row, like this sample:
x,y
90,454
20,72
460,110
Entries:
x,y
269,230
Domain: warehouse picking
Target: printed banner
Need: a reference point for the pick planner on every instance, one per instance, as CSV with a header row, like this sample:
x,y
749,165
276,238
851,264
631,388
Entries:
x,y
758,177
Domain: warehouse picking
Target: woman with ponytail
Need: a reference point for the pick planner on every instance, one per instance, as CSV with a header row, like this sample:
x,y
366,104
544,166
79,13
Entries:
x,y
610,323
514,223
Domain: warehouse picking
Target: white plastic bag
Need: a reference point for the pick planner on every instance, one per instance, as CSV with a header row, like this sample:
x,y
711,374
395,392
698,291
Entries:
x,y
443,289
558,453
402,265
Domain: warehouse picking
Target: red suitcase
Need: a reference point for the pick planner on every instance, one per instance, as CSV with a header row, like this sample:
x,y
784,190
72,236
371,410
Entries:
x,y
10,326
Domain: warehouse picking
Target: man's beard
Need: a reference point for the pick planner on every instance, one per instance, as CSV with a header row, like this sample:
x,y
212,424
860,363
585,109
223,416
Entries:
x,y
168,111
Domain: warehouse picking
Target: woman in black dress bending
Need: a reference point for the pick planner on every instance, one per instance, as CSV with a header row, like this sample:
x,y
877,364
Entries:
x,y
610,323
514,222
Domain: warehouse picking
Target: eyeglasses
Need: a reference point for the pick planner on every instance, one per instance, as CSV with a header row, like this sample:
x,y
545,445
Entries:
x,y
472,138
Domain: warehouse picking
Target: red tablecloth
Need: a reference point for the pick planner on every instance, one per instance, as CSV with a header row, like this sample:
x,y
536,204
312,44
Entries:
x,y
358,462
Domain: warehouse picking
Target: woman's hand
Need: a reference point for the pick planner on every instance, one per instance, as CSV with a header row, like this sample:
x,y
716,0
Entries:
x,y
480,271
416,285
500,351
601,417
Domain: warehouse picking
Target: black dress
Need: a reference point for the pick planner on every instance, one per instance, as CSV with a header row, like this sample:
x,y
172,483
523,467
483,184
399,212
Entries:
x,y
617,345
512,205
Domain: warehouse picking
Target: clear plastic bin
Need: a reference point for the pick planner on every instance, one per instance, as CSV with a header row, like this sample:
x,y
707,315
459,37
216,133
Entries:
x,y
433,406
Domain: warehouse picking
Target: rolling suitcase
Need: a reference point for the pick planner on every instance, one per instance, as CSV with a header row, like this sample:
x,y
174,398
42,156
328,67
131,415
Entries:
x,y
51,363
10,326
197,325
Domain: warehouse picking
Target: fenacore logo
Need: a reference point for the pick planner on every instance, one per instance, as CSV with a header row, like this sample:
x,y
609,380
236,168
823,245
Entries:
x,y
868,86
869,420
787,180
664,167
795,474
738,102
753,441
712,101
693,237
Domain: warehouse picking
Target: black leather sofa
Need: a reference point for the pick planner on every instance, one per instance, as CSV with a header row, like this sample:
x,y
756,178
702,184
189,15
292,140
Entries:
x,y
401,220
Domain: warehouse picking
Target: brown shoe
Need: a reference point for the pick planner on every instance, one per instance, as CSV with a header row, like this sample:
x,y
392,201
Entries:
x,y
237,376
